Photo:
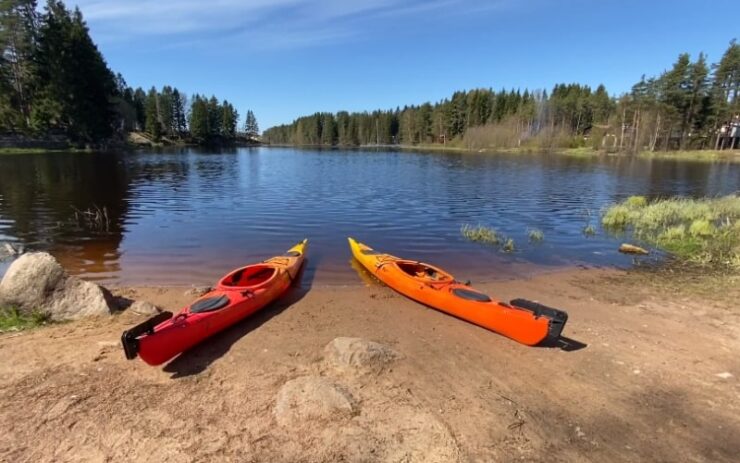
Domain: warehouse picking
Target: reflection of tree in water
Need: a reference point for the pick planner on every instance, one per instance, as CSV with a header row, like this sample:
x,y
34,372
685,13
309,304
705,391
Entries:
x,y
41,192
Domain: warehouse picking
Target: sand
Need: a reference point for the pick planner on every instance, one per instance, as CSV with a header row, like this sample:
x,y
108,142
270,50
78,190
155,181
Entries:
x,y
649,373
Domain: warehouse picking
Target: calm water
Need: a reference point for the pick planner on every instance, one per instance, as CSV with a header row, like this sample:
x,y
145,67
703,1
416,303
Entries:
x,y
187,217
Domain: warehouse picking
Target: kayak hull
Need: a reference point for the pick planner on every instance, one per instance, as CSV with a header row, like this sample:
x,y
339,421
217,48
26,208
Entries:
x,y
523,321
237,295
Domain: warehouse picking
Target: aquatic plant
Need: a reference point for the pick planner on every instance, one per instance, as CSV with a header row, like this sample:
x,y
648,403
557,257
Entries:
x,y
480,234
12,319
589,230
636,201
93,218
703,231
487,235
508,245
535,234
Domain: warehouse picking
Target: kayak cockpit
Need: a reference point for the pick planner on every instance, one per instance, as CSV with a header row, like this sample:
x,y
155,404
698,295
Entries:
x,y
248,277
424,272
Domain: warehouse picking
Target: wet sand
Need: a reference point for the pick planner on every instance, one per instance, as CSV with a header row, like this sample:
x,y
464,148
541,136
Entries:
x,y
649,372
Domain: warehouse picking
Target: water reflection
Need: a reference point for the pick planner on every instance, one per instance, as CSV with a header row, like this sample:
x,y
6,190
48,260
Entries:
x,y
186,216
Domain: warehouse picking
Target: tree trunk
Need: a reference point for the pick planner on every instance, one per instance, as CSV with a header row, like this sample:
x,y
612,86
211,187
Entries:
x,y
621,137
654,141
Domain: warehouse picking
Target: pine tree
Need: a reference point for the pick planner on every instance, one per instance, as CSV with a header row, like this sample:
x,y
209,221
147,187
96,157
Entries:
x,y
251,128
178,114
18,34
74,87
166,117
153,125
228,121
199,119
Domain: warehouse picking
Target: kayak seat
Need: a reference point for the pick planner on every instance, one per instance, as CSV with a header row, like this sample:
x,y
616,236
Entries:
x,y
292,254
249,276
209,304
471,295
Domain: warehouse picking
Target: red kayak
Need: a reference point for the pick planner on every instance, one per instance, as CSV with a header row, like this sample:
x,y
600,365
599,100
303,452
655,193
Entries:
x,y
238,295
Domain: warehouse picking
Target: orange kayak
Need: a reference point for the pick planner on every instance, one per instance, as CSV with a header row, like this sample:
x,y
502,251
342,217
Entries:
x,y
524,321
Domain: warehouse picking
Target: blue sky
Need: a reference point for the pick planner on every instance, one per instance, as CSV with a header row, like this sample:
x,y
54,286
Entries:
x,y
287,58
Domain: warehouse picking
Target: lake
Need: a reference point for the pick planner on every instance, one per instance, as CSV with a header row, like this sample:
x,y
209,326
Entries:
x,y
187,216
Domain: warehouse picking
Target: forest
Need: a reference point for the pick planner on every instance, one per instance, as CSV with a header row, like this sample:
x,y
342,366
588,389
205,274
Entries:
x,y
685,107
54,80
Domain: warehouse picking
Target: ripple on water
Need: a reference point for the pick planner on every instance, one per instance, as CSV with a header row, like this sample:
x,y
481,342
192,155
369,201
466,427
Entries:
x,y
186,217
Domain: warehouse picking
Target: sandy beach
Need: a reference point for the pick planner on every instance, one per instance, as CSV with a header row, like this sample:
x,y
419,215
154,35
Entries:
x,y
648,373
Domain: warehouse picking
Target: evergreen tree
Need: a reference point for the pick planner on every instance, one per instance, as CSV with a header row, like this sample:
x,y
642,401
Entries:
x,y
199,119
228,121
18,34
153,125
164,106
251,128
178,114
72,80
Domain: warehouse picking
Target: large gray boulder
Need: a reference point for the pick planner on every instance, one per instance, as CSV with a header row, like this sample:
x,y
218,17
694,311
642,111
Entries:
x,y
37,282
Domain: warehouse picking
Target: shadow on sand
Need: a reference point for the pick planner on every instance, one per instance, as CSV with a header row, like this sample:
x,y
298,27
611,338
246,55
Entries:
x,y
565,344
200,357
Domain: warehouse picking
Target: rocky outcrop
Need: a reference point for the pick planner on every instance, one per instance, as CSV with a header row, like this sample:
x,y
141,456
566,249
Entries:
x,y
311,398
37,282
359,356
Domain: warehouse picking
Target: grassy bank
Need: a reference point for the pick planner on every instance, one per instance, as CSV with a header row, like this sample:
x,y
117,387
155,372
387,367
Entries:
x,y
12,319
42,150
701,231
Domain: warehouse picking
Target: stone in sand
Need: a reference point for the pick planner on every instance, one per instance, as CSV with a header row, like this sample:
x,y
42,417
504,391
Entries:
x,y
358,355
37,282
311,398
144,308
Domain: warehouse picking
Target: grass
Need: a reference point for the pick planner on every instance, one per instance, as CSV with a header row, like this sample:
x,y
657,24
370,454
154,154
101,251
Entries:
x,y
589,230
695,155
487,235
700,231
42,150
481,234
535,235
11,319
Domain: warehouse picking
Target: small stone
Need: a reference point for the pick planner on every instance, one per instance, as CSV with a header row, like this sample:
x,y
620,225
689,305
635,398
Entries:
x,y
724,375
637,372
144,308
626,248
197,291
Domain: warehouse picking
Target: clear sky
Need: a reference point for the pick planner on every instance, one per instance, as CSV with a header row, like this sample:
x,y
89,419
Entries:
x,y
287,58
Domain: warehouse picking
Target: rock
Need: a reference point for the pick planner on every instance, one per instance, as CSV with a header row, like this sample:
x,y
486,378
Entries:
x,y
197,291
30,280
312,398
632,249
144,308
724,375
37,282
358,355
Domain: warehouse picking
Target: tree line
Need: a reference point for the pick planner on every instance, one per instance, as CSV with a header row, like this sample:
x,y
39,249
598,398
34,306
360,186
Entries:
x,y
685,107
53,79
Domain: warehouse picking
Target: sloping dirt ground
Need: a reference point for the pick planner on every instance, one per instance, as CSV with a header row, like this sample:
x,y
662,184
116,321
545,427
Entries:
x,y
656,381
